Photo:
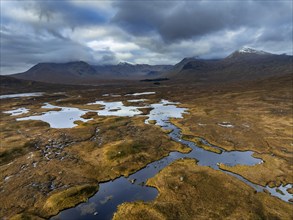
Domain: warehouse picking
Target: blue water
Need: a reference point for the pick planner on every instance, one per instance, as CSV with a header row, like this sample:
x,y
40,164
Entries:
x,y
113,193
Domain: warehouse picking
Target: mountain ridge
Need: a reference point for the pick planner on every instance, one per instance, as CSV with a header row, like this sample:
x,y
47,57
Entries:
x,y
72,72
244,63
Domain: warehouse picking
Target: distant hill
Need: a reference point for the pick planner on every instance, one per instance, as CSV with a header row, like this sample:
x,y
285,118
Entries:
x,y
58,72
178,67
11,85
81,72
130,71
243,64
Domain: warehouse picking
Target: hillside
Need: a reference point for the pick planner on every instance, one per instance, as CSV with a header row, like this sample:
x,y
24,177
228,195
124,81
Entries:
x,y
243,64
83,73
130,71
58,72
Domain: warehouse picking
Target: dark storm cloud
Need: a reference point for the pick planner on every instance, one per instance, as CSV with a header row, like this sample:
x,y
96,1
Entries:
x,y
153,32
36,31
284,32
70,14
20,52
30,50
191,19
52,16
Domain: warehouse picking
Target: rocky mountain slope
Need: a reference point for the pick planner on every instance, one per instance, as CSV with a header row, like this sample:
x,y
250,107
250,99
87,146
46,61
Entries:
x,y
243,64
82,72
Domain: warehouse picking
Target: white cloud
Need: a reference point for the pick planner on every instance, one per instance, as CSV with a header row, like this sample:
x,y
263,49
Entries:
x,y
110,44
102,32
105,6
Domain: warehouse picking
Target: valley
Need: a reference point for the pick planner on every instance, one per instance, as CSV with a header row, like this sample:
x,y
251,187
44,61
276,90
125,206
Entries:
x,y
146,110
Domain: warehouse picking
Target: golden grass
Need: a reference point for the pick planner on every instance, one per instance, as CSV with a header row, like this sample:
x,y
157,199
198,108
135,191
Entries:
x,y
260,112
188,191
198,142
25,217
265,173
68,198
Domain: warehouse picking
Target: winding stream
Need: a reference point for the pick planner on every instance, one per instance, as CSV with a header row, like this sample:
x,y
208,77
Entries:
x,y
113,193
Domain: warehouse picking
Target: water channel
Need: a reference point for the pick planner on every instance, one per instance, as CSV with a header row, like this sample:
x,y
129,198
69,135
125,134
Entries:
x,y
113,193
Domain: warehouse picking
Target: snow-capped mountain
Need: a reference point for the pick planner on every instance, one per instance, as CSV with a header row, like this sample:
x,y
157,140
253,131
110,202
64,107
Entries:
x,y
251,50
243,64
246,51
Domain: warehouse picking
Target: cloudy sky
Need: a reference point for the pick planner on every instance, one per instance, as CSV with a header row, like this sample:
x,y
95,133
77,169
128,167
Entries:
x,y
153,32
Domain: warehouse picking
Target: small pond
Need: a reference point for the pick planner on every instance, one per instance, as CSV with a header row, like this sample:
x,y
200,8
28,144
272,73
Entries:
x,y
20,95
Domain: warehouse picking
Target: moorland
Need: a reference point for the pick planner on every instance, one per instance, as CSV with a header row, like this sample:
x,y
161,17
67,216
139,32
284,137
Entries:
x,y
45,170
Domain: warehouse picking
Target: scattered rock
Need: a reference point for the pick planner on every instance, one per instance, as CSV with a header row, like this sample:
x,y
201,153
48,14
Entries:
x,y
226,124
132,181
34,164
7,178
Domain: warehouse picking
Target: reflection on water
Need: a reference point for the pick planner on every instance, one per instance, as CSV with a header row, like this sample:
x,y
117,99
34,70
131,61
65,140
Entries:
x,y
18,111
21,95
126,190
65,117
164,110
281,191
58,119
104,203
137,100
116,109
141,93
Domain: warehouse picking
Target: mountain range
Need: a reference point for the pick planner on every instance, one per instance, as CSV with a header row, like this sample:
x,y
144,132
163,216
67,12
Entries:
x,y
80,71
243,64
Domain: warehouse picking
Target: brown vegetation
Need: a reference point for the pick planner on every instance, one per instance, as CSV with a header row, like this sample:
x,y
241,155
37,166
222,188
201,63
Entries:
x,y
261,113
188,191
44,170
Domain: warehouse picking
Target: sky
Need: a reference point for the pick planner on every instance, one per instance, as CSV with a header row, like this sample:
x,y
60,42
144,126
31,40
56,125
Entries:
x,y
149,31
